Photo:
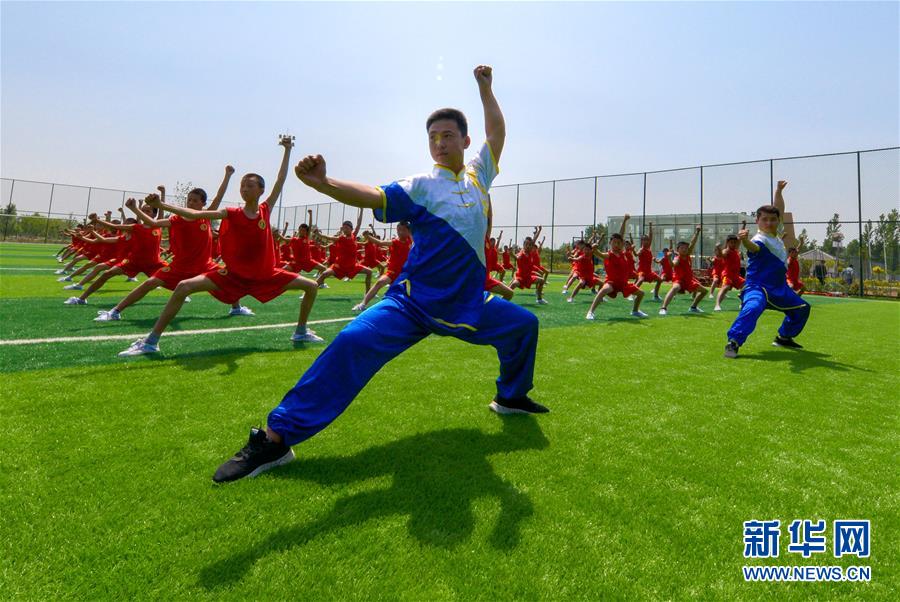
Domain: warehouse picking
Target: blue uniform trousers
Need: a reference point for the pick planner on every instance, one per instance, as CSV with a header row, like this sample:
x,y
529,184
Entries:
x,y
756,299
381,333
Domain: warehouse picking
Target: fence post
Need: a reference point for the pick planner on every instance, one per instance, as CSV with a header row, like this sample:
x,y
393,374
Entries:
x,y
644,204
9,218
771,182
862,272
87,207
516,228
552,224
701,212
49,209
594,223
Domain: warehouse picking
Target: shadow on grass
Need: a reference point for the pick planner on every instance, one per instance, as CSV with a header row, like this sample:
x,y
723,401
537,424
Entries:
x,y
195,361
802,359
435,478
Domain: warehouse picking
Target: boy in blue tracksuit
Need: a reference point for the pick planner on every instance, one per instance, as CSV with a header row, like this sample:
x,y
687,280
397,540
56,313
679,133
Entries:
x,y
440,289
766,285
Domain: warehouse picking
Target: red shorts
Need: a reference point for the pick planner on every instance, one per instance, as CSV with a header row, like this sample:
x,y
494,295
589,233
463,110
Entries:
x,y
341,273
714,275
690,286
372,262
667,277
171,275
626,288
132,269
736,282
507,266
587,280
490,283
526,280
233,287
305,265
650,276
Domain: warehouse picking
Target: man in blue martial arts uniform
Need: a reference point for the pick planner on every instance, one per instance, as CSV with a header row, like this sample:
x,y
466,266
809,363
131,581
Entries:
x,y
766,286
440,290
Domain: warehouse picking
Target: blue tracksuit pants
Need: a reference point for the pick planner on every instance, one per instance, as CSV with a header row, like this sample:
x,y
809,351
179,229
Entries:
x,y
757,299
381,333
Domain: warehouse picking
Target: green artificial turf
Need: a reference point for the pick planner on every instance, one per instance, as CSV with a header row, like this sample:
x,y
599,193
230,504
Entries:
x,y
635,486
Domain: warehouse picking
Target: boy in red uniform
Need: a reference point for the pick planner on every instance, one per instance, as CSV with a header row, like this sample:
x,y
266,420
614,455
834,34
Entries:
x,y
645,271
629,258
717,270
140,255
731,277
618,271
527,274
190,241
346,263
665,264
583,268
399,252
492,257
248,250
793,272
684,280
507,261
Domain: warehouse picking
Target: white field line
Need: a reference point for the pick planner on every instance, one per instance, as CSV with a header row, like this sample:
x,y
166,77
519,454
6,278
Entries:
x,y
29,269
176,333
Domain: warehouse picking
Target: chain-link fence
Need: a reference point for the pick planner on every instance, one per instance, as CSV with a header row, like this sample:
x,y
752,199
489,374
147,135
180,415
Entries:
x,y
844,208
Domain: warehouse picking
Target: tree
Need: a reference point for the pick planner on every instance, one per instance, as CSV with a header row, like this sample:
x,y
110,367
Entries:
x,y
8,223
833,228
600,229
803,244
887,235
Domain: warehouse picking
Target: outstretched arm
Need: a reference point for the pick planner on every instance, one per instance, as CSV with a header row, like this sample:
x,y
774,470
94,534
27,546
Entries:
x,y
220,193
141,215
288,143
185,212
358,222
789,236
694,240
625,219
650,233
109,225
494,125
377,241
311,171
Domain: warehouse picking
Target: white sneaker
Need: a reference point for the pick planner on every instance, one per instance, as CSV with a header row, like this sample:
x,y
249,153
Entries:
x,y
565,291
663,311
187,299
309,337
345,279
638,314
108,316
241,311
73,287
74,301
717,308
541,302
589,316
695,310
59,271
629,298
570,300
132,279
140,347
657,298
323,285
64,278
605,300
358,307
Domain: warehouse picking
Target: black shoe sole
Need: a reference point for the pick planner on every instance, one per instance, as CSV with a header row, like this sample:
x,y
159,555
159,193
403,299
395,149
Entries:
x,y
501,409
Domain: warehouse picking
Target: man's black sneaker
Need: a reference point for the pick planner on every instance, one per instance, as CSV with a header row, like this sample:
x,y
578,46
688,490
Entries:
x,y
259,455
519,405
788,342
731,349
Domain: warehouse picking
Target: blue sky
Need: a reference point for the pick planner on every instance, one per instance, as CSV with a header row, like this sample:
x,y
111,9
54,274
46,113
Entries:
x,y
134,94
